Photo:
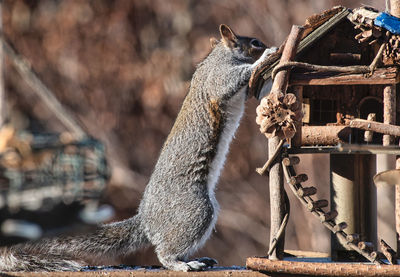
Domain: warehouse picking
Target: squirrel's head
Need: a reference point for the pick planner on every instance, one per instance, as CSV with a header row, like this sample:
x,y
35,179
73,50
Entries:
x,y
245,47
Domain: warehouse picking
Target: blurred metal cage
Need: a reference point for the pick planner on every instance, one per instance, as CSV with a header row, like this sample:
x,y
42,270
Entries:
x,y
52,172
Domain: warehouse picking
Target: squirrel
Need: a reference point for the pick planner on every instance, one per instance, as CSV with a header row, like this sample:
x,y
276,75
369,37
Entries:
x,y
178,210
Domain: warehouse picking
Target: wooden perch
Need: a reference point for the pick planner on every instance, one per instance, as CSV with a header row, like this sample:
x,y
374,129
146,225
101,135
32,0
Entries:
x,y
368,135
387,129
325,135
381,76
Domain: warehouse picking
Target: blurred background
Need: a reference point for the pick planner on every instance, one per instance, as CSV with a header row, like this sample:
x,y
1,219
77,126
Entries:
x,y
122,68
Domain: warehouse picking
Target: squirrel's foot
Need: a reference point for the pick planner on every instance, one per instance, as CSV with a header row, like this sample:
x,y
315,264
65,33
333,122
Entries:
x,y
210,262
201,263
195,265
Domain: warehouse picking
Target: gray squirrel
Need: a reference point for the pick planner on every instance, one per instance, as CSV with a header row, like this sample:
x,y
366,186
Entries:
x,y
178,210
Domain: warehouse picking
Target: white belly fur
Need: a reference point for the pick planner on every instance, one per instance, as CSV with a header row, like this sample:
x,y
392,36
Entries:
x,y
235,112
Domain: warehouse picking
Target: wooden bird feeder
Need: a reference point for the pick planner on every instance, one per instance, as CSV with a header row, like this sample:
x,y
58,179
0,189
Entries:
x,y
334,84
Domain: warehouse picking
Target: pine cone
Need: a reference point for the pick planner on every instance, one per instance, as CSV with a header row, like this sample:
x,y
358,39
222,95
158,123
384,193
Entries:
x,y
277,115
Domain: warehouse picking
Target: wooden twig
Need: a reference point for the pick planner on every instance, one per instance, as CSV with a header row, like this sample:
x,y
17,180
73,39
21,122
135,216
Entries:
x,y
41,89
368,135
377,59
352,69
389,253
282,228
314,206
266,166
383,128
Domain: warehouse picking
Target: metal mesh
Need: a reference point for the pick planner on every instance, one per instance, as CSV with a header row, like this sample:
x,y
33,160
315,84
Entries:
x,y
54,173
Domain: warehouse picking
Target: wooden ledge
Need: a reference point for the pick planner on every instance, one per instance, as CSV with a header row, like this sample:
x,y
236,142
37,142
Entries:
x,y
381,76
302,267
143,272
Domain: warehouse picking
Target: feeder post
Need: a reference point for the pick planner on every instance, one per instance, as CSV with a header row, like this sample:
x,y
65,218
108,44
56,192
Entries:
x,y
395,11
397,211
389,111
387,162
395,8
276,190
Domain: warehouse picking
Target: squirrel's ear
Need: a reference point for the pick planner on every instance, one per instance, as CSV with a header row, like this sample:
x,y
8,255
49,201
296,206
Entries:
x,y
228,36
213,42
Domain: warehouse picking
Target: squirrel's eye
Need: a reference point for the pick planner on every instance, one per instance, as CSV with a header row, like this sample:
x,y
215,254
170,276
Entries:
x,y
256,43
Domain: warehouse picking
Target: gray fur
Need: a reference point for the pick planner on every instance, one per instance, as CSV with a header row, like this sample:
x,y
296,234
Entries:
x,y
178,210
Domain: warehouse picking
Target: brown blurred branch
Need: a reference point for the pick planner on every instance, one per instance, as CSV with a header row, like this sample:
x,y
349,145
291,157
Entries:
x,y
41,89
2,93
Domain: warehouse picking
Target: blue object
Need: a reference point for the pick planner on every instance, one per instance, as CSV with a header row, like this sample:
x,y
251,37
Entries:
x,y
389,22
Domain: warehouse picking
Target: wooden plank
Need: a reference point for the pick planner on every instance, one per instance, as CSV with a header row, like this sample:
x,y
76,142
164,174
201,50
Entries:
x,y
381,76
320,268
143,272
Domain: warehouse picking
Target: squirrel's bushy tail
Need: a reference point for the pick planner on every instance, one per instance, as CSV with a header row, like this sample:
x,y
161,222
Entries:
x,y
71,253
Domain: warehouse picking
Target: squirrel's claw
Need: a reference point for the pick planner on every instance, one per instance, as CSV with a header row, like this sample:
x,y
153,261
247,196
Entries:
x,y
201,263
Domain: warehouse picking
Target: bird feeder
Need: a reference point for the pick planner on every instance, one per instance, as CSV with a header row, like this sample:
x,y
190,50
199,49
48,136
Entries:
x,y
334,84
